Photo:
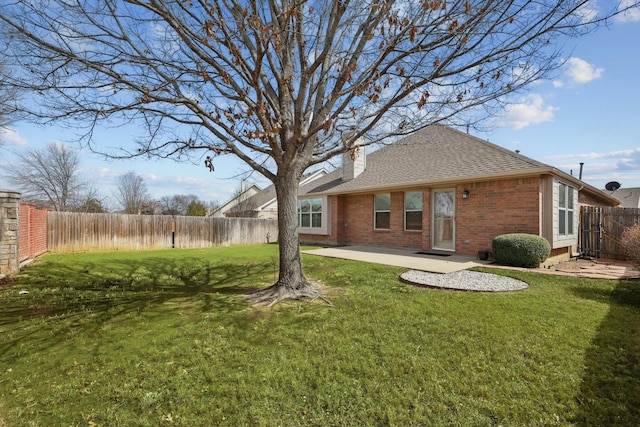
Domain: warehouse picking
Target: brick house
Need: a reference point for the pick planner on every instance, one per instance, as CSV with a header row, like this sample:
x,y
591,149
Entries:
x,y
237,202
261,203
443,190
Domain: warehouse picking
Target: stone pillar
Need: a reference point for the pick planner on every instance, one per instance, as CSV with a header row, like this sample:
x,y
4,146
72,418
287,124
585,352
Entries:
x,y
9,232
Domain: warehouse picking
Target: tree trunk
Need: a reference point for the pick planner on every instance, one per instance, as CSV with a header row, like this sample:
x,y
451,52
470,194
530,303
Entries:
x,y
291,282
291,275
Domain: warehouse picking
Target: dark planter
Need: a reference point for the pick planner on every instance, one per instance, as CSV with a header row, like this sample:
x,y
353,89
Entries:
x,y
483,255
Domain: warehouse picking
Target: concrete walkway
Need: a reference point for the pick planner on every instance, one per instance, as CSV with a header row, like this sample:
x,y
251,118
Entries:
x,y
400,258
597,269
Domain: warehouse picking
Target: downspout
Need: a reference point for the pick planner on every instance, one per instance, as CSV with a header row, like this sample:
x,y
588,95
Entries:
x,y
581,253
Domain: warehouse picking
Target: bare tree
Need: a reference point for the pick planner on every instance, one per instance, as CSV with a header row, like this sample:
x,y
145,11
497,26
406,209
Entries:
x,y
89,199
9,96
176,204
132,194
48,174
150,207
91,205
282,85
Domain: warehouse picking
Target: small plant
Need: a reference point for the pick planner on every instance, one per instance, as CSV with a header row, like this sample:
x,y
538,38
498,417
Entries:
x,y
630,242
520,249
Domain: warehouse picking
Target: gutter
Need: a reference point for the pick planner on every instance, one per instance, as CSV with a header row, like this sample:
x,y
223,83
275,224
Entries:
x,y
533,172
437,183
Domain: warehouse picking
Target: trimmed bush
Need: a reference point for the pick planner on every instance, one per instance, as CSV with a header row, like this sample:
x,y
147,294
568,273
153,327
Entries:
x,y
630,242
520,249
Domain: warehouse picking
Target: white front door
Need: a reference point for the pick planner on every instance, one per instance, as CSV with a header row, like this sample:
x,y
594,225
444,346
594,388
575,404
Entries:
x,y
444,220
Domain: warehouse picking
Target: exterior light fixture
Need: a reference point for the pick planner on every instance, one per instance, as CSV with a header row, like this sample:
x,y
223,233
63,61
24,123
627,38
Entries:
x,y
465,194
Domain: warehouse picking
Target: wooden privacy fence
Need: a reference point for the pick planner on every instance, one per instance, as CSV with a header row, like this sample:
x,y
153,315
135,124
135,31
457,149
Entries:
x,y
74,232
601,229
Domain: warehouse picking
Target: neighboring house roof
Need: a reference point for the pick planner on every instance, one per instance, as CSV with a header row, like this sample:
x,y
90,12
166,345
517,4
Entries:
x,y
438,155
628,197
229,204
267,197
262,199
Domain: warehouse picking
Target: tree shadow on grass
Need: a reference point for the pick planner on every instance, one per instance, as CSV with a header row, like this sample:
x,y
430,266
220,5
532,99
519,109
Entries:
x,y
89,294
610,391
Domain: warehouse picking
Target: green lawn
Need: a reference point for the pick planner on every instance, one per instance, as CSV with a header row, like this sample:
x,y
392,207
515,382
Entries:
x,y
166,338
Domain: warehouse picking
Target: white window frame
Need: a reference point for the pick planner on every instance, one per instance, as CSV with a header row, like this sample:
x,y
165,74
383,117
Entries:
x,y
569,217
375,211
566,210
323,226
413,210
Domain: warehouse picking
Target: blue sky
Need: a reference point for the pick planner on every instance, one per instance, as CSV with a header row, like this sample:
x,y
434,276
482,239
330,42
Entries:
x,y
589,113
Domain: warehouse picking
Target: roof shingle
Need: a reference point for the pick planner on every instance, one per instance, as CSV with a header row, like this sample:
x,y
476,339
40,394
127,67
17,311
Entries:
x,y
435,154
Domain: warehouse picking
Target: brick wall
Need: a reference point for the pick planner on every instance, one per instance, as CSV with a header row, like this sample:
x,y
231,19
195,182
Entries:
x,y
492,208
358,223
352,223
33,231
585,199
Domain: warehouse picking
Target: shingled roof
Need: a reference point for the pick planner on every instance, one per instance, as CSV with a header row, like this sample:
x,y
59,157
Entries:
x,y
267,196
436,155
629,197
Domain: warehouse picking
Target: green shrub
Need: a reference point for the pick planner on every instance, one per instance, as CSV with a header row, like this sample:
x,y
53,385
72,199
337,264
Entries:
x,y
630,242
520,249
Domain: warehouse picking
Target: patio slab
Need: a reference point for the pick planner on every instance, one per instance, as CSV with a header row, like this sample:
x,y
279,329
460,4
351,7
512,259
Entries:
x,y
410,259
400,258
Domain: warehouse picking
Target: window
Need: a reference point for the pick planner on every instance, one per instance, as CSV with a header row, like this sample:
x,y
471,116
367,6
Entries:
x,y
310,213
382,218
413,210
565,210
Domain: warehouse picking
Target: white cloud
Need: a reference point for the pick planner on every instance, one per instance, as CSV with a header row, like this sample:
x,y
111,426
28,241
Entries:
x,y
601,167
631,15
149,176
100,173
622,154
164,38
588,12
580,71
12,137
531,110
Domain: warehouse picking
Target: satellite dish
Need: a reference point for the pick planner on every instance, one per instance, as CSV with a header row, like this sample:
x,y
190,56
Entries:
x,y
612,185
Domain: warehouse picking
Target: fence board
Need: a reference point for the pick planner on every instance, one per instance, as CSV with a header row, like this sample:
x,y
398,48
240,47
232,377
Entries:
x,y
601,229
74,232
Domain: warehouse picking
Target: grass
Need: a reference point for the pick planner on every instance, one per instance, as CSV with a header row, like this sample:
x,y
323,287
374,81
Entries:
x,y
165,338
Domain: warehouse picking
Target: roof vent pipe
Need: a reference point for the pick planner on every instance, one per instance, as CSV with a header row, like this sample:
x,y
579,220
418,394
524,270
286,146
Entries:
x,y
580,174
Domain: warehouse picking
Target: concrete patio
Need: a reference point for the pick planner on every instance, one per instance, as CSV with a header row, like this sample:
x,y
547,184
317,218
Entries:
x,y
442,263
411,259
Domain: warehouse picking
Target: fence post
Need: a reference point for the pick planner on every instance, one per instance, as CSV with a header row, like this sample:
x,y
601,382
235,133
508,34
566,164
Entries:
x,y
9,232
173,233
